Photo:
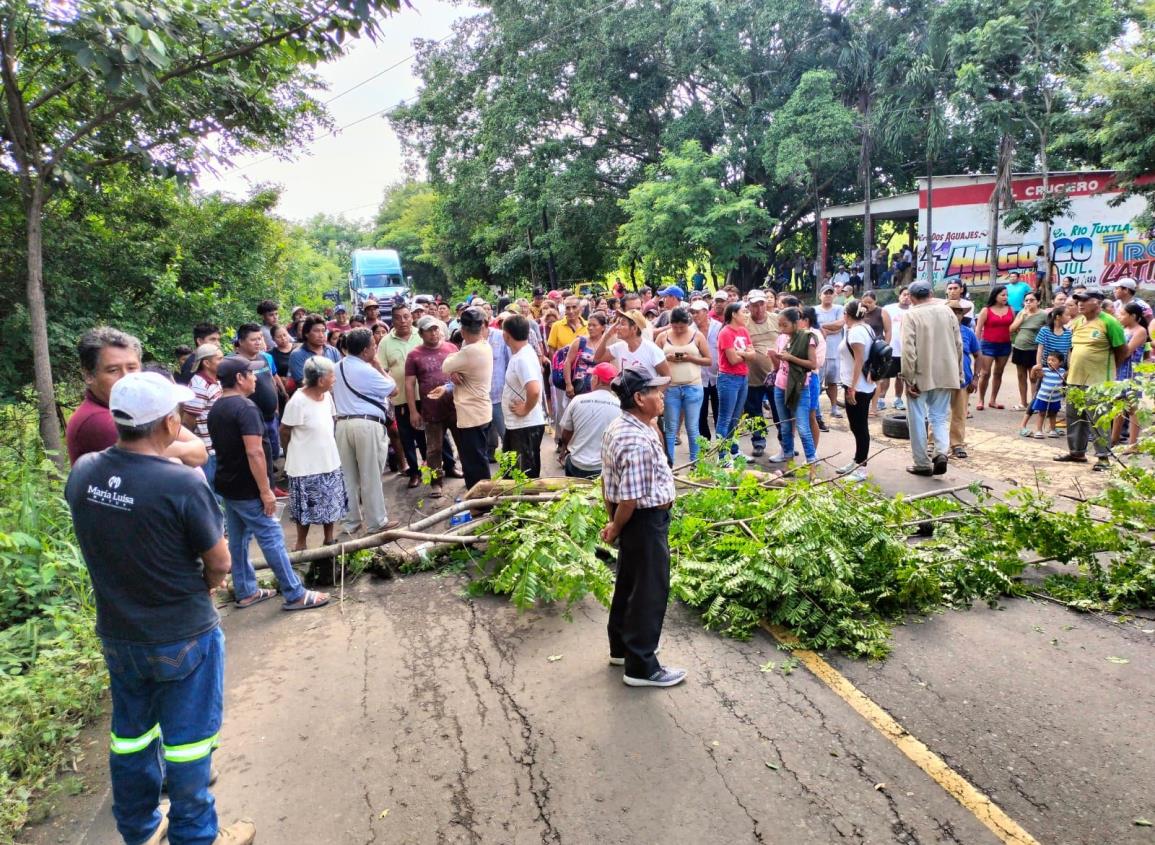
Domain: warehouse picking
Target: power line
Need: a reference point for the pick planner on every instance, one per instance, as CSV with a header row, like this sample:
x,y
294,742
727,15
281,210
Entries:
x,y
388,110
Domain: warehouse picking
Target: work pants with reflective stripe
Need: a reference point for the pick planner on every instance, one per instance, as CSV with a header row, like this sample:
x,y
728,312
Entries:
x,y
166,719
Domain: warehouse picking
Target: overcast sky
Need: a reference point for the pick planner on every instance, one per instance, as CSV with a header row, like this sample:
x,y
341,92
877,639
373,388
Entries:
x,y
347,173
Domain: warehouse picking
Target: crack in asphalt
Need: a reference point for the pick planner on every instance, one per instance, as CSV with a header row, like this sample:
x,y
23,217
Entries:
x,y
539,784
755,824
422,652
372,815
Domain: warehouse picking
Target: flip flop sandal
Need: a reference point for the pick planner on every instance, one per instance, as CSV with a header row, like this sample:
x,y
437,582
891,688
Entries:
x,y
998,407
309,601
256,598
980,407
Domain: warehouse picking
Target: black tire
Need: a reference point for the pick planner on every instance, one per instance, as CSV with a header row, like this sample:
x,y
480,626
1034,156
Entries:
x,y
894,425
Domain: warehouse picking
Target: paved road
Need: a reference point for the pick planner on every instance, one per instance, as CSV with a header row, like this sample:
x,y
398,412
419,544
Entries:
x,y
450,715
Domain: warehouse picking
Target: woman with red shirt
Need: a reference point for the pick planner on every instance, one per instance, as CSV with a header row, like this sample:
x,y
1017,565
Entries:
x,y
994,332
734,350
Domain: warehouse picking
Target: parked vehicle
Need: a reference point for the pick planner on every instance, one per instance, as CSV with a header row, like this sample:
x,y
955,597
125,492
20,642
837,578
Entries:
x,y
376,274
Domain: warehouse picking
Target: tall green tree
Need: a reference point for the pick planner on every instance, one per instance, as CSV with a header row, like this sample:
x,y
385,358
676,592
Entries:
x,y
813,143
405,222
1115,123
95,83
683,212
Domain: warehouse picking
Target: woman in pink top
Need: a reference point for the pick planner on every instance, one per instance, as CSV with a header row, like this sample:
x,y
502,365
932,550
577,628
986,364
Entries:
x,y
734,350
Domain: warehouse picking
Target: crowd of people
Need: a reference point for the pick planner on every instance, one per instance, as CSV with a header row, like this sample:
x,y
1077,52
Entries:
x,y
351,403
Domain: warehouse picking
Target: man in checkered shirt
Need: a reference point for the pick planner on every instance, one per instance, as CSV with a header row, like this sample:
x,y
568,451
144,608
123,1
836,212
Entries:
x,y
638,486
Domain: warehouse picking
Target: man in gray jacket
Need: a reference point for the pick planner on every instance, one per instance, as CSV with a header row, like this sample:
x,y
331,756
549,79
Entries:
x,y
932,369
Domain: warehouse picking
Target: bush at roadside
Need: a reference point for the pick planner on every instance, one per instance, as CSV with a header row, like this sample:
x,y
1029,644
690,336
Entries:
x,y
51,672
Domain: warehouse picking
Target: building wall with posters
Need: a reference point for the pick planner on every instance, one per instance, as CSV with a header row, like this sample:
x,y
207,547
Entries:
x,y
1096,243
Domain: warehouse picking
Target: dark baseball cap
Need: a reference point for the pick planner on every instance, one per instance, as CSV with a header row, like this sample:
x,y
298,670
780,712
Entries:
x,y
232,366
472,318
636,379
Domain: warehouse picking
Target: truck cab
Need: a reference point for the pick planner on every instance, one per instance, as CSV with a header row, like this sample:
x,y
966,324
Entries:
x,y
376,274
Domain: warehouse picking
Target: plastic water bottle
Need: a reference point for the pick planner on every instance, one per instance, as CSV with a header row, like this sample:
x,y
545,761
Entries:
x,y
460,518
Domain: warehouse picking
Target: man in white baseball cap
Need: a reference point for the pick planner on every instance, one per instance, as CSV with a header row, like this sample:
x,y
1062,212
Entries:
x,y
150,534
1125,291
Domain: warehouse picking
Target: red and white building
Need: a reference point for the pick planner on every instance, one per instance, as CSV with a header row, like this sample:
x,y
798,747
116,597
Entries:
x,y
1096,243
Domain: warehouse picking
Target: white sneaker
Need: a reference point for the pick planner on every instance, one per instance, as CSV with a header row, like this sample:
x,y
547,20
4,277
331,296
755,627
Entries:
x,y
664,677
836,413
881,405
850,467
780,458
856,476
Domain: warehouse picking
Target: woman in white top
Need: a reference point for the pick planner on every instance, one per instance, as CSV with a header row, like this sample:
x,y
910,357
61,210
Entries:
x,y
857,387
316,484
624,345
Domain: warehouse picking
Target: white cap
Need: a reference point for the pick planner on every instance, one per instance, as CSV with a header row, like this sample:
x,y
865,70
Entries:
x,y
721,294
141,398
755,296
699,305
1127,282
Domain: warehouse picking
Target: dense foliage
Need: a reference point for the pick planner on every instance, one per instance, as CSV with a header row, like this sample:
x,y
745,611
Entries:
x,y
51,671
554,132
153,258
838,564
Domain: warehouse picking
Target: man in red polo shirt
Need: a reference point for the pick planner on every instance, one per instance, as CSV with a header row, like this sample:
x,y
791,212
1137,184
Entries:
x,y
106,356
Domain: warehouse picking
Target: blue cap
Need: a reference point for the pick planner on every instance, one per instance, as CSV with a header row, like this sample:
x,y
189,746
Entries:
x,y
673,290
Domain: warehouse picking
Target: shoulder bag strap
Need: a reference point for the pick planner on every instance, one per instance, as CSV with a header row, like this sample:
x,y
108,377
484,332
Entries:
x,y
384,410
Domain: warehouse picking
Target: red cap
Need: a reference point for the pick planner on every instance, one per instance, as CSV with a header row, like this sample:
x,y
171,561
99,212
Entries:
x,y
605,372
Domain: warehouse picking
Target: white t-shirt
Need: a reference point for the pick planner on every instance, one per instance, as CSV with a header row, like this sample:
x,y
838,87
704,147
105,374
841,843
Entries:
x,y
858,334
646,355
588,416
896,314
522,369
312,445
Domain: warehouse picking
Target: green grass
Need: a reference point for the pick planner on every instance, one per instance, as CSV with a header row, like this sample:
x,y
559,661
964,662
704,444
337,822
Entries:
x,y
51,672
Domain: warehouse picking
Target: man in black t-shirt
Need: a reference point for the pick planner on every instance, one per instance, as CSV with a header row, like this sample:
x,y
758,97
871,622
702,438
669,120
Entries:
x,y
150,534
240,440
251,346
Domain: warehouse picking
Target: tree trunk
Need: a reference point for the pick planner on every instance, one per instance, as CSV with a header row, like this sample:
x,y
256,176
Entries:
x,y
532,272
864,163
1044,291
38,325
1001,196
929,249
993,237
550,265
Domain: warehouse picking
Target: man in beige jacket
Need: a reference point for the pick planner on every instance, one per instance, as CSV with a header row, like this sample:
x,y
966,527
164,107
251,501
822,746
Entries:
x,y
932,369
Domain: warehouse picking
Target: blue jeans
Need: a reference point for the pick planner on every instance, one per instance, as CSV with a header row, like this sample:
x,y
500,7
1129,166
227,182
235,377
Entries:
x,y
166,703
755,393
210,469
934,404
683,402
798,421
273,429
731,399
246,519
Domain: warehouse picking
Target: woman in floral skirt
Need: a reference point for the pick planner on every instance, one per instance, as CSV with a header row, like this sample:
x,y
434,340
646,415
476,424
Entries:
x,y
316,483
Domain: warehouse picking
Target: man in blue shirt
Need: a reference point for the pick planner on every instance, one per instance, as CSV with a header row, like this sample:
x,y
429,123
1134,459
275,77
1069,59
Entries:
x,y
961,398
150,534
1017,292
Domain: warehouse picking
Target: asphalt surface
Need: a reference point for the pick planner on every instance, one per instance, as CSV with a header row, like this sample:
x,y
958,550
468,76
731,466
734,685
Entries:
x,y
409,714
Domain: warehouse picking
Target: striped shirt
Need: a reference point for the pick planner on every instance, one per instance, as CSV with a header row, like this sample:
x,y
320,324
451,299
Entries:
x,y
206,393
1051,388
634,464
1051,342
